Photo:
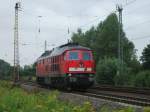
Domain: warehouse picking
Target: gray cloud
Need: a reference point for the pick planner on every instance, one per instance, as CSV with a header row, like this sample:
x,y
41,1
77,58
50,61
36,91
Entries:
x,y
57,16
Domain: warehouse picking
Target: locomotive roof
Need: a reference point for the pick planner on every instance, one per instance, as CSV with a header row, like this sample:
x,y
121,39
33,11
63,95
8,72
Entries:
x,y
61,49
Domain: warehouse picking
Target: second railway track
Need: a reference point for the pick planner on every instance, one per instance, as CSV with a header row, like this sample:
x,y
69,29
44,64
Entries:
x,y
122,97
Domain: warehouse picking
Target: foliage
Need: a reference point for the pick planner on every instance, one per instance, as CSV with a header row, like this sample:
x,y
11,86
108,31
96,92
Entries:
x,y
28,70
106,108
134,66
17,100
147,109
145,58
5,69
106,71
142,79
129,109
86,108
103,40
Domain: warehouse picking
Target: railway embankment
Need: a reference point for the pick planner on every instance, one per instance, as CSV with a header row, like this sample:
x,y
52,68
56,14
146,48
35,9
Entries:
x,y
79,99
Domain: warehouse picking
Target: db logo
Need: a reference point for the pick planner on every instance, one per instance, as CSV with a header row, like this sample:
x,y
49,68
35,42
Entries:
x,y
81,64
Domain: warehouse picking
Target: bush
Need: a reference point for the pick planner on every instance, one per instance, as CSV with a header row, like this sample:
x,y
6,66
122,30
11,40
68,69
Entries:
x,y
129,109
147,109
106,108
142,79
17,100
106,71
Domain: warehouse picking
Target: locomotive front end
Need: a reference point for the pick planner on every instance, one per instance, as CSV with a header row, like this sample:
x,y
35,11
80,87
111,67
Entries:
x,y
80,68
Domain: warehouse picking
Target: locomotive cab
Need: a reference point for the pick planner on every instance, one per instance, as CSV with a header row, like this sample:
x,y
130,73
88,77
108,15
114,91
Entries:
x,y
79,66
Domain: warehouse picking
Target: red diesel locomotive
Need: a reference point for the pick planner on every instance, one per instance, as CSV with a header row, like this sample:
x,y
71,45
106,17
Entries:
x,y
66,66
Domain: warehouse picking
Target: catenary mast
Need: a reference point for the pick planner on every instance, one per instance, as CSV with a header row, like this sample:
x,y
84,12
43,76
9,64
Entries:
x,y
16,43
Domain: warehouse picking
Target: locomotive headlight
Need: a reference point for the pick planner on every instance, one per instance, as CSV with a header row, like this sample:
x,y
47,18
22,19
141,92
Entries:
x,y
89,69
70,75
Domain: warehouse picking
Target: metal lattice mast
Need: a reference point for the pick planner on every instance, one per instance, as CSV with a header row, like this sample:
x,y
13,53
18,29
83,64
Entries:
x,y
16,44
120,41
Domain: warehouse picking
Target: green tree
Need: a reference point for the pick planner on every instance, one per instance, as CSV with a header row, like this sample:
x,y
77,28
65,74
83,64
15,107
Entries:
x,y
28,70
106,71
5,69
142,79
103,40
78,37
145,58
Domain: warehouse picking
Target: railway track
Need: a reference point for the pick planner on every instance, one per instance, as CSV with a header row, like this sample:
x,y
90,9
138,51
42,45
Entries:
x,y
122,97
129,95
138,97
136,90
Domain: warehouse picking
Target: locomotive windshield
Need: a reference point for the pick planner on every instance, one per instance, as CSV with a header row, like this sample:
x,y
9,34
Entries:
x,y
73,55
86,56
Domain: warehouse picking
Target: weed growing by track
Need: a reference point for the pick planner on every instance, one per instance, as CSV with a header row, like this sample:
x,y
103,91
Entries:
x,y
17,100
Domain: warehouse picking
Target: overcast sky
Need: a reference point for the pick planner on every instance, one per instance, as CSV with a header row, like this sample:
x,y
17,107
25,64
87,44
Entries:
x,y
58,15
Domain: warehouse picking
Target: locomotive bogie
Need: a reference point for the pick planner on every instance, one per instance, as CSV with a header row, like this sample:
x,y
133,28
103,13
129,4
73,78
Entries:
x,y
73,81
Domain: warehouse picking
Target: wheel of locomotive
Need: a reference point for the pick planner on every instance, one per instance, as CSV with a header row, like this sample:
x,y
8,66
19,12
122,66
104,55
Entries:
x,y
66,85
40,80
37,80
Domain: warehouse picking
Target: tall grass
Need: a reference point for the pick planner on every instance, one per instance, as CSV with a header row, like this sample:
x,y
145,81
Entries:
x,y
17,100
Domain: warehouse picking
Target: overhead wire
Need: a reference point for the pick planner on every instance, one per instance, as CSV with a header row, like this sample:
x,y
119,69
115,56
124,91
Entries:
x,y
98,18
125,5
129,3
132,26
132,11
143,37
135,25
